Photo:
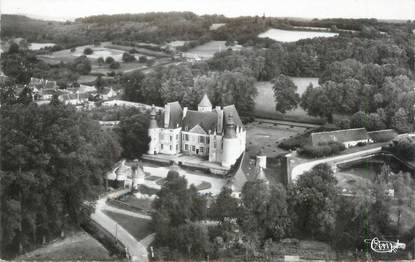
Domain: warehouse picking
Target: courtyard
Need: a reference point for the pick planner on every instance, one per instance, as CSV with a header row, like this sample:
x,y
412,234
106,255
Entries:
x,y
265,137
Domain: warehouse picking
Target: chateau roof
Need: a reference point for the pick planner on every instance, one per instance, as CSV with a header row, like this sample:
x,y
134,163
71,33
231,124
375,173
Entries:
x,y
176,114
206,120
227,110
341,136
205,102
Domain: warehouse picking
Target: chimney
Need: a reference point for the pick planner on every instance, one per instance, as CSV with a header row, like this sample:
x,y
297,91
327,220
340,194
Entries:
x,y
166,115
184,111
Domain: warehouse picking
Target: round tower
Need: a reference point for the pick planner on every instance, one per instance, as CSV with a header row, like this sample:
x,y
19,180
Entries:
x,y
230,143
153,133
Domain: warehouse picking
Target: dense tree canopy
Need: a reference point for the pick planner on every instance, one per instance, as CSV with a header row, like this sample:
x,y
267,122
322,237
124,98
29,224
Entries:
x,y
52,159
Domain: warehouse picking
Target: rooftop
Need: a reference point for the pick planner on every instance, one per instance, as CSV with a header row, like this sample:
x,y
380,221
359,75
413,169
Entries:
x,y
341,136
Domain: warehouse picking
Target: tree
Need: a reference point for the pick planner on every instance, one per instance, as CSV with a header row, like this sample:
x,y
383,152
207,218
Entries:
x,y
224,206
400,121
100,61
133,133
115,65
99,84
319,102
142,59
50,164
265,212
82,65
313,202
285,94
175,82
193,239
128,58
359,119
176,210
88,51
109,60
133,86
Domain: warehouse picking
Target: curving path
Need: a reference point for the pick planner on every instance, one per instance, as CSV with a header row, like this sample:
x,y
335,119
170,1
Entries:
x,y
136,250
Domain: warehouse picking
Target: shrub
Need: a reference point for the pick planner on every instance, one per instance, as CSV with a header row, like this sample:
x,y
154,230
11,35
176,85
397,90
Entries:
x,y
142,59
115,65
127,57
323,149
88,51
109,60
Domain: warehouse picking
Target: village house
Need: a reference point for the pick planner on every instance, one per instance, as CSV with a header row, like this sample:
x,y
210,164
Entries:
x,y
216,135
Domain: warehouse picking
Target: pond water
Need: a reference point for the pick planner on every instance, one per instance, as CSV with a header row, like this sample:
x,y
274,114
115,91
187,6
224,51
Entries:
x,y
293,36
38,46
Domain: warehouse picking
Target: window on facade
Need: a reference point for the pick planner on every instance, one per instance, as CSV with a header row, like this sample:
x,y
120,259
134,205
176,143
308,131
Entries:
x,y
186,147
214,144
171,148
177,147
207,140
201,149
177,136
207,150
186,137
201,139
161,146
171,138
193,148
161,136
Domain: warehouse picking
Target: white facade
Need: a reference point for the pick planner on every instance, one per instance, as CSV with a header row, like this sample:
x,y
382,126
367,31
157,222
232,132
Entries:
x,y
204,133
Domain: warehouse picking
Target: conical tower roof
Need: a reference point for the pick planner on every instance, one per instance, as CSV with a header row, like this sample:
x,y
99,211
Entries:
x,y
205,102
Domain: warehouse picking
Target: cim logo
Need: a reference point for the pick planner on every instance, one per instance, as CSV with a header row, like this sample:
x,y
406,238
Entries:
x,y
383,246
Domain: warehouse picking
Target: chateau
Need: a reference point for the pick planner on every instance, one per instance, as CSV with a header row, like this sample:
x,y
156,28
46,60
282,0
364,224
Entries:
x,y
216,134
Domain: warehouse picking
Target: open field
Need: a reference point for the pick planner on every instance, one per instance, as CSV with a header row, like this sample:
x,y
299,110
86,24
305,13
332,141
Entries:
x,y
266,136
80,246
139,228
207,50
265,101
293,36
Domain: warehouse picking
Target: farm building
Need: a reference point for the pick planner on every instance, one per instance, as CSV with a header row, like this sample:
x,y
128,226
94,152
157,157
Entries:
x,y
348,137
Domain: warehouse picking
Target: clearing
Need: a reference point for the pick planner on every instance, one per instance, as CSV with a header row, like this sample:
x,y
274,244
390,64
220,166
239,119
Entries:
x,y
265,101
293,35
207,50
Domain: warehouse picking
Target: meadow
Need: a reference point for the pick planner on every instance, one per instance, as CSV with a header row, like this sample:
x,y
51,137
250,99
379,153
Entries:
x,y
265,101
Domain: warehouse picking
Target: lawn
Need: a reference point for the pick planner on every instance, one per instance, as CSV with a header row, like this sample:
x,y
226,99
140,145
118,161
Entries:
x,y
139,228
293,36
266,137
206,50
131,200
80,246
265,101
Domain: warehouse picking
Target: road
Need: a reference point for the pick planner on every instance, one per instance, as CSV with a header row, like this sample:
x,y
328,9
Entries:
x,y
301,168
136,249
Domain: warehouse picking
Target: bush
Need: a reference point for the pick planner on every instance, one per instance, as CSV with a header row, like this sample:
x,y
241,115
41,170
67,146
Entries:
x,y
323,149
115,65
142,59
127,57
88,51
109,60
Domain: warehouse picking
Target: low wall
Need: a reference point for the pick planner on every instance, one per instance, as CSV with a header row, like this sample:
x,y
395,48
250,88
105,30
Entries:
x,y
298,170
